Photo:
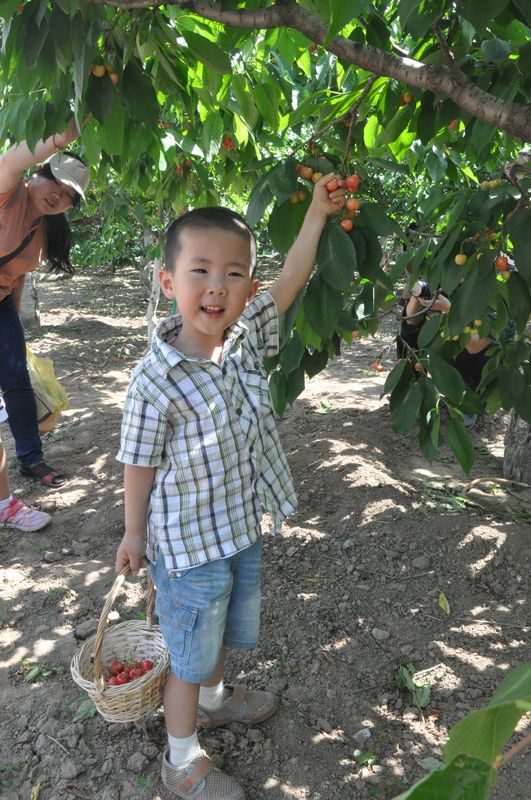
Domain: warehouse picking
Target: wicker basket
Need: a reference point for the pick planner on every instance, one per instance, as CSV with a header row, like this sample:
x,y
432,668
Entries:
x,y
135,700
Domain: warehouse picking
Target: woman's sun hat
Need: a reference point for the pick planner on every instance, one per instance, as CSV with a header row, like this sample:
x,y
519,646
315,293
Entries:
x,y
69,170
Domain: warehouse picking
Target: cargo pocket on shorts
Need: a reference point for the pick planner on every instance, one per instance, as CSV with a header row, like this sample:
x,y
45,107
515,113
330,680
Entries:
x,y
177,622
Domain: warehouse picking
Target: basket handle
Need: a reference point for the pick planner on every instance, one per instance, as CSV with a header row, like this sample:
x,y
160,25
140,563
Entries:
x,y
104,616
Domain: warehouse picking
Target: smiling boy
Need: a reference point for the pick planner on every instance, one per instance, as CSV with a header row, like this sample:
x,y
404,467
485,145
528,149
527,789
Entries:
x,y
202,460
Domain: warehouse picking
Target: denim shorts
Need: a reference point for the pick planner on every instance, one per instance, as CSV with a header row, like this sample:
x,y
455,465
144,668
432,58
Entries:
x,y
215,604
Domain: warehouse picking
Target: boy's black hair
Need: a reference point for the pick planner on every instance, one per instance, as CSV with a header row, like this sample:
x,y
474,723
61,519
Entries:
x,y
58,235
207,217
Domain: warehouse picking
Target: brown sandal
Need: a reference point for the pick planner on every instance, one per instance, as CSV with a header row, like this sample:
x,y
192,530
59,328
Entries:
x,y
244,705
199,780
43,473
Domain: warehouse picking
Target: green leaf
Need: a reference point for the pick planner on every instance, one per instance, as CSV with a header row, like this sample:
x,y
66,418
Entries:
x,y
447,379
244,98
211,135
482,12
284,224
484,733
406,414
461,444
266,97
472,298
523,405
207,52
524,62
112,132
291,354
516,686
429,330
368,268
100,97
519,228
282,179
336,257
496,50
138,92
294,385
315,362
394,377
465,778
377,221
341,13
277,389
322,306
33,673
260,199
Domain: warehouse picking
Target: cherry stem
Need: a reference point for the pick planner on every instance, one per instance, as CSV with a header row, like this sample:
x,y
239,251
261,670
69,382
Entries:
x,y
500,761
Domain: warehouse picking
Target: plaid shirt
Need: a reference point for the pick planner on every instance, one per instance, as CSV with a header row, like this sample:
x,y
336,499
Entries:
x,y
210,431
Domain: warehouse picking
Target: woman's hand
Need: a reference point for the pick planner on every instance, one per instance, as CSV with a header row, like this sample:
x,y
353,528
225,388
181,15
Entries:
x,y
62,140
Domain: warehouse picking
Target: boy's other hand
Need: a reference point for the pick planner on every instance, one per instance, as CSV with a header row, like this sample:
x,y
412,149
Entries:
x,y
130,553
329,202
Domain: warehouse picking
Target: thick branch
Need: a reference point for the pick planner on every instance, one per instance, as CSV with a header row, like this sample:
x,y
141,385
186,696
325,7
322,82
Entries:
x,y
511,117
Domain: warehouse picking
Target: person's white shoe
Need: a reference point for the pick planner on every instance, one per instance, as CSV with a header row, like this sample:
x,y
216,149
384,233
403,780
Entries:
x,y
18,515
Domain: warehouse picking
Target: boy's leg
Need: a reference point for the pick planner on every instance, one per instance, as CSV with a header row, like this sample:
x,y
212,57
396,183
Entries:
x,y
180,706
188,608
220,705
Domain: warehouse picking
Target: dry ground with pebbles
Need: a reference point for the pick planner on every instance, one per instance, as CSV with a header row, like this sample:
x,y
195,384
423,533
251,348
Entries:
x,y
350,588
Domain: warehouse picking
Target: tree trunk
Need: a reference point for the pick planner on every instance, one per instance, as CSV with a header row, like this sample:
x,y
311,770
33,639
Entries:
x,y
517,456
29,304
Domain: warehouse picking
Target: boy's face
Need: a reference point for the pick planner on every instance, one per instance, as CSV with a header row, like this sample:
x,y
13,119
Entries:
x,y
211,283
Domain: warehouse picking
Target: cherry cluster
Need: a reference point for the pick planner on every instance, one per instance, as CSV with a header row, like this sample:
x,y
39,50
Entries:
x,y
122,672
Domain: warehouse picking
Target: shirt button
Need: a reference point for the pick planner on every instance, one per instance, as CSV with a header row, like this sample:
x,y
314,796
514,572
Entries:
x,y
223,370
256,365
251,448
239,412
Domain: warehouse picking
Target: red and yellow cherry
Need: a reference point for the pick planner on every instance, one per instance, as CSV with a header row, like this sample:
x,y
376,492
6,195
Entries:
x,y
502,262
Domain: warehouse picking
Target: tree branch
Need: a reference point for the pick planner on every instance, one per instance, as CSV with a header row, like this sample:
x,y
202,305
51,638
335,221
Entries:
x,y
512,117
443,44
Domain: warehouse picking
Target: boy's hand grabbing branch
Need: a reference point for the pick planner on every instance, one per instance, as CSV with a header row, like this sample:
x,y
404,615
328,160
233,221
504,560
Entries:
x,y
301,258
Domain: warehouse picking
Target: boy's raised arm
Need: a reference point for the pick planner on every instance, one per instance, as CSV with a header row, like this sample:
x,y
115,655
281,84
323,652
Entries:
x,y
301,258
138,482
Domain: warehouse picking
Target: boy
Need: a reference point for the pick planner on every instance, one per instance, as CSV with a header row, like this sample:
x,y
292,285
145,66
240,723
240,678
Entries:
x,y
202,458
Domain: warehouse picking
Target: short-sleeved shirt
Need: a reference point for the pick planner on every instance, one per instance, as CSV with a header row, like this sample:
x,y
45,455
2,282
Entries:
x,y
16,221
209,430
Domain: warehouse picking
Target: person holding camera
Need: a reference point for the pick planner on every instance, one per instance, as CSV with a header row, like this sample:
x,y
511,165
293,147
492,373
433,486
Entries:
x,y
469,362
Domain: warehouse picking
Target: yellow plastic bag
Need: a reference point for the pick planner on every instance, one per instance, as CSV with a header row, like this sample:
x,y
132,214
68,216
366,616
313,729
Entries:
x,y
50,395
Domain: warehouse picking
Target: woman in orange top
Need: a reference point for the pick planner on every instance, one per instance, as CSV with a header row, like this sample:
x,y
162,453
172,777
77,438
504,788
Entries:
x,y
33,229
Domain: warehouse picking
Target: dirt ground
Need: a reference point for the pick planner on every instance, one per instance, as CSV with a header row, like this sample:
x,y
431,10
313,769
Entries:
x,y
350,589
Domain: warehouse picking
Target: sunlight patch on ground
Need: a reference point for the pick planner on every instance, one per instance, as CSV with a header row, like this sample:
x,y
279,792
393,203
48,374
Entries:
x,y
478,662
96,575
483,534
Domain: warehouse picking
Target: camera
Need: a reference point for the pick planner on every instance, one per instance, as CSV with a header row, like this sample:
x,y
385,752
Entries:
x,y
421,289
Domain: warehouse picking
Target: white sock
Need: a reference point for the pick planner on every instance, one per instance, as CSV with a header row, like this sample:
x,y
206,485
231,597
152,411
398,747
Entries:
x,y
6,502
182,751
212,697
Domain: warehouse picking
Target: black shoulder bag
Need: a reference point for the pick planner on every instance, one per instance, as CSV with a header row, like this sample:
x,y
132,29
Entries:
x,y
22,245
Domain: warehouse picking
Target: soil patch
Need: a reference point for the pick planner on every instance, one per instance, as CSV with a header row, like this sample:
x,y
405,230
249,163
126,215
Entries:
x,y
350,588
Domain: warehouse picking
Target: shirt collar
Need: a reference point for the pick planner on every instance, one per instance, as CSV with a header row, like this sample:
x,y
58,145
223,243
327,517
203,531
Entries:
x,y
166,357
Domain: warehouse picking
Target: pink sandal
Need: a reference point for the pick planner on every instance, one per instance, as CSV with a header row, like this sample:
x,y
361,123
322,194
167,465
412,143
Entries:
x,y
18,515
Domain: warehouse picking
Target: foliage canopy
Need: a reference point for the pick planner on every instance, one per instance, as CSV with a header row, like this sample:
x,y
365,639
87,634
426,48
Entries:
x,y
195,103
